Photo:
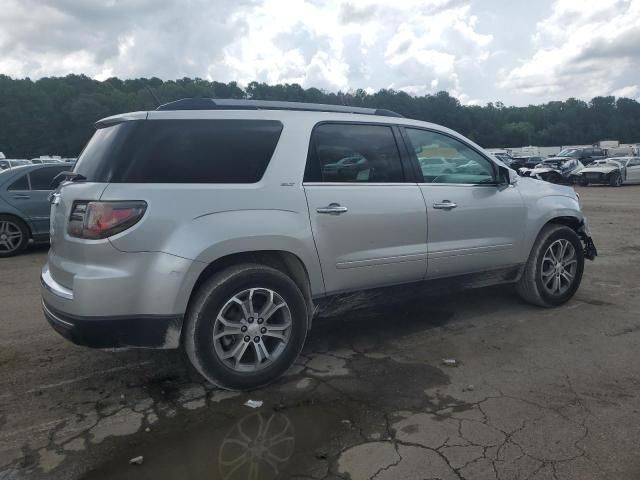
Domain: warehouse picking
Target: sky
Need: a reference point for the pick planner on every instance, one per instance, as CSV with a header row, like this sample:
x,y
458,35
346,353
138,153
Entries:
x,y
515,51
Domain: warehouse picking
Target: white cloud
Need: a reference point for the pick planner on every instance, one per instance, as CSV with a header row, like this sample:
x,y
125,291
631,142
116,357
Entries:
x,y
630,91
585,48
414,45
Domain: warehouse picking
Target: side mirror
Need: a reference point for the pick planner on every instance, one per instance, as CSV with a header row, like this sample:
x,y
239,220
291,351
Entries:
x,y
506,176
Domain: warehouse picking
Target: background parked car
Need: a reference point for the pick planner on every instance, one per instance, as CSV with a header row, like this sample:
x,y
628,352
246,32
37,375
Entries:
x,y
435,166
24,205
612,171
504,158
7,163
585,155
525,162
555,170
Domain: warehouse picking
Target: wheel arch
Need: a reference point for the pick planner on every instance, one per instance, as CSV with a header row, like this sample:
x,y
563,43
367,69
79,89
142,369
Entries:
x,y
574,223
284,261
24,220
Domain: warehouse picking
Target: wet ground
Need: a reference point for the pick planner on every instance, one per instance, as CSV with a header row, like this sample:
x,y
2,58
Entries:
x,y
539,394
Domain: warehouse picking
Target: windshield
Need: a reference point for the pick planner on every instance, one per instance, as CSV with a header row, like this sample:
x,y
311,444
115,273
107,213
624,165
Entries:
x,y
569,152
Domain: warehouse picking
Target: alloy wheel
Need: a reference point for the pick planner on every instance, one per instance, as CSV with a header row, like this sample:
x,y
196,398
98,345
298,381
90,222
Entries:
x,y
559,267
10,236
252,329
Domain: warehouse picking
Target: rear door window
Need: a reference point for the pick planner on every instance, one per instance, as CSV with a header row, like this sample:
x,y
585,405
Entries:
x,y
353,153
41,178
181,151
21,183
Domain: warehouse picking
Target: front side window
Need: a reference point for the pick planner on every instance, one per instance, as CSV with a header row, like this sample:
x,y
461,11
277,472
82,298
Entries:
x,y
353,153
443,159
569,152
41,179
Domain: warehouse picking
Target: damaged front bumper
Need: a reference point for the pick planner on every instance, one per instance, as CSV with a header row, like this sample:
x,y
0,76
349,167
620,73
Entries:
x,y
590,250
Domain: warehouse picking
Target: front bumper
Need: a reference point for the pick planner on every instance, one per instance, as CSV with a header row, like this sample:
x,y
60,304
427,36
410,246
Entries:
x,y
590,250
138,331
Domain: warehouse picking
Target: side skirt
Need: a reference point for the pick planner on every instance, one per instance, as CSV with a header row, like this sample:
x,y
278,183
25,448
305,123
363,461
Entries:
x,y
342,302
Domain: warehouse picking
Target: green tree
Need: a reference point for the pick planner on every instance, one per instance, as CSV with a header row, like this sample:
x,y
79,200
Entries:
x,y
55,115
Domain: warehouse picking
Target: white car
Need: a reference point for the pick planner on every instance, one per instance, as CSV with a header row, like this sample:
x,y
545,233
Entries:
x,y
214,225
436,166
611,171
555,170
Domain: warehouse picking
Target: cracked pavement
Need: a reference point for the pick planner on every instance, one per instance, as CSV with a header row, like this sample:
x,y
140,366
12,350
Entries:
x,y
536,394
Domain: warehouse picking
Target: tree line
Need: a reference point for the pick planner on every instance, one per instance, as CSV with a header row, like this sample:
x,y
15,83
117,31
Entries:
x,y
55,115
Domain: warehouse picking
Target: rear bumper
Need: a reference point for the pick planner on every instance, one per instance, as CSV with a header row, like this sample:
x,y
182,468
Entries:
x,y
141,331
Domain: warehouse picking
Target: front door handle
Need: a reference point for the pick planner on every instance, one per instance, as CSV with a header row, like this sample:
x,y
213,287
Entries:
x,y
445,205
333,209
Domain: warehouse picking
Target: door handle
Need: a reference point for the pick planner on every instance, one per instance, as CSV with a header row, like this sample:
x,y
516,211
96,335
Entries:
x,y
333,209
22,197
445,205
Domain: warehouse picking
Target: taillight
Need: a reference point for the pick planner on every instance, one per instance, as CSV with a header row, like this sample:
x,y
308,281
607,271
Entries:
x,y
96,220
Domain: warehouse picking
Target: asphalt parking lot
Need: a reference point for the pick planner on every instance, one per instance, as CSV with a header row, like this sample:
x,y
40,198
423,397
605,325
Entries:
x,y
538,394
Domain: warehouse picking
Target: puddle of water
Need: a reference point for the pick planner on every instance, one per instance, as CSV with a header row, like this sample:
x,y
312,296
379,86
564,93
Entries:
x,y
261,445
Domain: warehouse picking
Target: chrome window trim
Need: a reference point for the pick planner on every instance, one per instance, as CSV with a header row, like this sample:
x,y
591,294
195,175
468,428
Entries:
x,y
424,184
359,184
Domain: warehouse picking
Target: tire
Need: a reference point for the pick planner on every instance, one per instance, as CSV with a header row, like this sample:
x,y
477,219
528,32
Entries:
x,y
583,182
531,286
221,297
14,235
615,180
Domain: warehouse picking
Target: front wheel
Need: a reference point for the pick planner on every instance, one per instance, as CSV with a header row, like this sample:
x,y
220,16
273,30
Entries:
x,y
245,326
615,180
554,269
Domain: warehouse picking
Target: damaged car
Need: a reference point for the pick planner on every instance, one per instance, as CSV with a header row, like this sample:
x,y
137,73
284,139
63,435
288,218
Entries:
x,y
155,245
611,171
555,170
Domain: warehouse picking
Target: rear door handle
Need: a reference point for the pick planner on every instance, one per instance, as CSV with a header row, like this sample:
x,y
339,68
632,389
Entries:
x,y
445,205
333,209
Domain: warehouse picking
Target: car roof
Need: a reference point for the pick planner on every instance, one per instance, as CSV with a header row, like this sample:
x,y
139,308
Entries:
x,y
206,103
289,115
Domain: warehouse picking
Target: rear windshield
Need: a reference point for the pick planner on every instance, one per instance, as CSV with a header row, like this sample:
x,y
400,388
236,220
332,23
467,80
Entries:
x,y
180,151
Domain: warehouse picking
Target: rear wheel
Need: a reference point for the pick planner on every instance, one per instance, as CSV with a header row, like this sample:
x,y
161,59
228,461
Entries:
x,y
554,269
615,179
14,235
245,327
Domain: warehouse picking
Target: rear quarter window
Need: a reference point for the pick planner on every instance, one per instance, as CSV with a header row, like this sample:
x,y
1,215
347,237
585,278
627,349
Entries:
x,y
181,151
42,178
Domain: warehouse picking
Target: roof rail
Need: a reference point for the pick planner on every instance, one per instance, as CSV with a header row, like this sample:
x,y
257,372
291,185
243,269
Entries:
x,y
205,103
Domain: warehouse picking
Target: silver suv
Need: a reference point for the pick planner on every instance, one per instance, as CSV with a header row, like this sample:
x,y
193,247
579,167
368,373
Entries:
x,y
219,225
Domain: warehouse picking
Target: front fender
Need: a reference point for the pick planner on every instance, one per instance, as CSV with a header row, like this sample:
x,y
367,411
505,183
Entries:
x,y
545,209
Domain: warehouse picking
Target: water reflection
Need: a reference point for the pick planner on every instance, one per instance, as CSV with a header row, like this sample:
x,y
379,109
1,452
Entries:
x,y
257,447
227,443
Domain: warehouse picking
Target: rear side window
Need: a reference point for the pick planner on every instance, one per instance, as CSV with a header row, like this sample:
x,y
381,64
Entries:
x,y
41,178
22,183
353,153
180,151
